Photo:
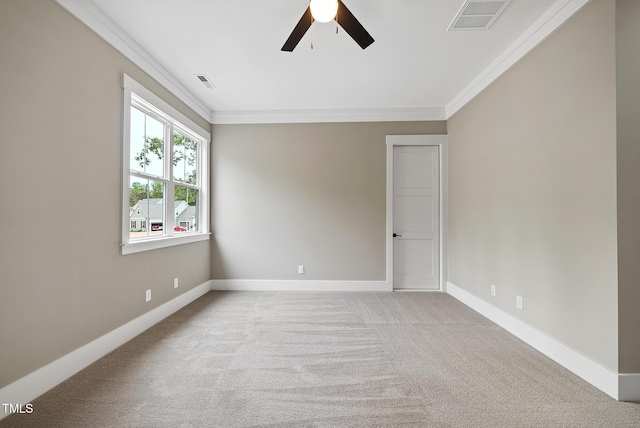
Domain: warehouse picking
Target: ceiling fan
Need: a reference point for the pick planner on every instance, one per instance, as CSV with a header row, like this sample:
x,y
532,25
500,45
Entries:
x,y
325,11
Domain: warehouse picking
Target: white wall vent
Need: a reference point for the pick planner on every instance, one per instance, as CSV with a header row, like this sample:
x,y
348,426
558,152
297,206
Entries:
x,y
478,14
205,81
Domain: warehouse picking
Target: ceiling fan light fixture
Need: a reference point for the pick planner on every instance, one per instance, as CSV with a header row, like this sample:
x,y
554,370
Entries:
x,y
337,11
324,10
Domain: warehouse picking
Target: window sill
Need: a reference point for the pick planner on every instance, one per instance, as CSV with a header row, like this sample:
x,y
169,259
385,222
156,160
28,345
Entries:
x,y
156,243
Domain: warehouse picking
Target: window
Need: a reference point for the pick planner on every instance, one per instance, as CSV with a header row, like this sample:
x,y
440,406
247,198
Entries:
x,y
164,159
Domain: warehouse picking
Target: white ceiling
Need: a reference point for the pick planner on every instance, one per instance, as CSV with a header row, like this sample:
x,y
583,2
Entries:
x,y
415,69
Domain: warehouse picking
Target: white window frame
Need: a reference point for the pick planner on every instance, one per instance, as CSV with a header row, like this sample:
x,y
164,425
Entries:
x,y
175,119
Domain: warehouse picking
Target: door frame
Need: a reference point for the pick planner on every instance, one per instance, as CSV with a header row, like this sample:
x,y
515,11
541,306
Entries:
x,y
418,140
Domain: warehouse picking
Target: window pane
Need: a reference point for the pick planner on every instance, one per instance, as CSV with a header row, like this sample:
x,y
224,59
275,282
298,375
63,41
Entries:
x,y
147,144
154,140
186,209
185,159
137,139
146,208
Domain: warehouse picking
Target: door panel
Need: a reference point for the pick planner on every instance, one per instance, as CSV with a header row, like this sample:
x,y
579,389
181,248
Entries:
x,y
414,263
418,213
408,159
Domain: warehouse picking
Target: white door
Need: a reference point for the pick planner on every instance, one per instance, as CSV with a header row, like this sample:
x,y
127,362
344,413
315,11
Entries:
x,y
416,217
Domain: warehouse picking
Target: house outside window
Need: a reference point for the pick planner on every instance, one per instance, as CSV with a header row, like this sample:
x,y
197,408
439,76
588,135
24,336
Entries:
x,y
165,158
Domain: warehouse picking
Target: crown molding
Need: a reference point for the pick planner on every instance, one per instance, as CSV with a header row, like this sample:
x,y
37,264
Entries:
x,y
550,21
328,115
94,18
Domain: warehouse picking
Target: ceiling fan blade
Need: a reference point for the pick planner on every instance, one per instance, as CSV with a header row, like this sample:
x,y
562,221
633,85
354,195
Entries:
x,y
352,26
298,32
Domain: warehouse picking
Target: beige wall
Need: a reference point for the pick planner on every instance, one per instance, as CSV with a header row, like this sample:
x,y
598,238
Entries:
x,y
628,103
63,281
532,188
302,194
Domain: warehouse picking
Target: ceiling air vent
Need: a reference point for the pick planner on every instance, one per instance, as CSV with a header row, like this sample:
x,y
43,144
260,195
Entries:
x,y
205,81
478,14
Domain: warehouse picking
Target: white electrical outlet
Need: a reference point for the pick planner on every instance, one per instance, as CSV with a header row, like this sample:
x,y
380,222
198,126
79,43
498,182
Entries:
x,y
175,282
148,295
519,302
300,269
493,290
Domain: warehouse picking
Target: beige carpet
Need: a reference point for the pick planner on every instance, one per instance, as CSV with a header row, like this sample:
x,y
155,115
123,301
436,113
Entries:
x,y
242,359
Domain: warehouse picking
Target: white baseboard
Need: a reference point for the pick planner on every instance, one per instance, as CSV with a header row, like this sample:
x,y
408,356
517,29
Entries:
x,y
297,285
629,387
596,374
40,381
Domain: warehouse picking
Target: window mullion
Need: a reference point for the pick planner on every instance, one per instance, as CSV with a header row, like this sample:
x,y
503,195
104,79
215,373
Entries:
x,y
170,187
